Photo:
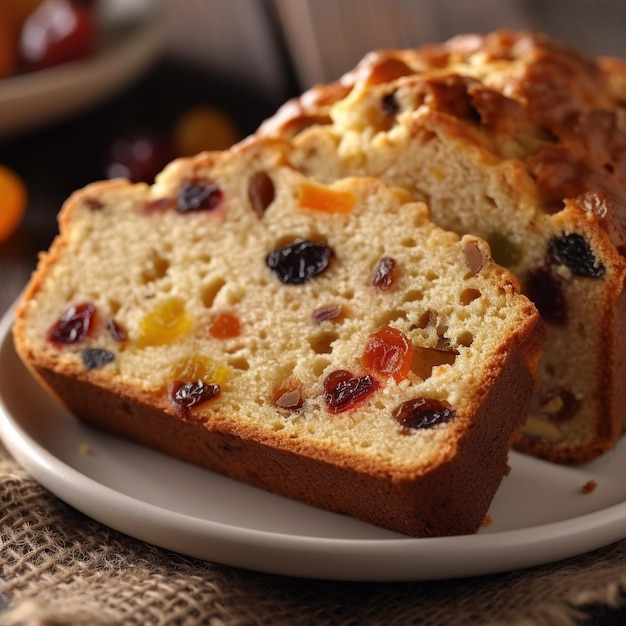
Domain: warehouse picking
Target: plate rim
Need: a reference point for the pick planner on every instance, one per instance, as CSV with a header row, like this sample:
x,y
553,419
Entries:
x,y
133,50
361,559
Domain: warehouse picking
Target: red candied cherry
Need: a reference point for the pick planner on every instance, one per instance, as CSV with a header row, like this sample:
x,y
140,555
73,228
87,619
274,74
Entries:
x,y
57,31
388,352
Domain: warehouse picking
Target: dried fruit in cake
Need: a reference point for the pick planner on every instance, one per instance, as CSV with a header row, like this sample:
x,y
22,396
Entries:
x,y
299,261
287,346
13,195
518,139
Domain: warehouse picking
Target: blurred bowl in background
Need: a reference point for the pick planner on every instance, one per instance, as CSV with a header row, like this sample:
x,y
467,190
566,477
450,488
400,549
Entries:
x,y
129,44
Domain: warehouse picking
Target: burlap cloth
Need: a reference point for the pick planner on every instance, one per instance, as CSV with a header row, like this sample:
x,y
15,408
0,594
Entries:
x,y
60,568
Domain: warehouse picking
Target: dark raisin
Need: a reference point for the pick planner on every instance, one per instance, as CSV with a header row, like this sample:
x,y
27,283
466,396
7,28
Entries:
x,y
423,413
342,390
74,325
327,313
384,273
260,192
299,261
390,105
546,291
94,358
189,394
198,195
116,331
574,252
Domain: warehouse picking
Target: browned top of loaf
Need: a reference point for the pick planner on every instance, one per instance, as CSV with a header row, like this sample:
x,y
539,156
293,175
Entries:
x,y
513,94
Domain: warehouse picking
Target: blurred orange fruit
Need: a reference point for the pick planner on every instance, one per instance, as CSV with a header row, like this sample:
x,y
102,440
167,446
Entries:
x,y
203,128
13,197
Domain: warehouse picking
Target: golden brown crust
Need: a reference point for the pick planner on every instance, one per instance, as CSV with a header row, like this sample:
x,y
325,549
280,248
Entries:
x,y
452,501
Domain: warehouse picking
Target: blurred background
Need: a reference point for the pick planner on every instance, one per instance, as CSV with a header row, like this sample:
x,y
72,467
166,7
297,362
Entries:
x,y
91,89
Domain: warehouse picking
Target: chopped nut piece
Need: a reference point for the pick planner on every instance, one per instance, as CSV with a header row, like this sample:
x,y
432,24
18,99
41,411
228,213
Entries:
x,y
260,192
473,257
542,429
291,399
289,395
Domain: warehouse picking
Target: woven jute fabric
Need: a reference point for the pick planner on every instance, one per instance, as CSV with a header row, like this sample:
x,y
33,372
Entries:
x,y
58,567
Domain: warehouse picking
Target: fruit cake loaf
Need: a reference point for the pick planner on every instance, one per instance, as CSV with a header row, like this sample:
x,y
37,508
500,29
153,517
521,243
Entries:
x,y
521,141
325,342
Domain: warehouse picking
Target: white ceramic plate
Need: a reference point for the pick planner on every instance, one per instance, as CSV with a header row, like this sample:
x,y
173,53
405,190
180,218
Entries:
x,y
32,99
539,514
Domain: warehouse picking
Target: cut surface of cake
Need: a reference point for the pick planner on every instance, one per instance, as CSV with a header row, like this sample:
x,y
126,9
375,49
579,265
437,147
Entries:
x,y
520,140
326,342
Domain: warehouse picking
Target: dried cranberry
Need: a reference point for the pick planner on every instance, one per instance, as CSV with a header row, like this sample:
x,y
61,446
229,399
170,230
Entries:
x,y
342,390
299,261
74,325
546,291
384,273
198,195
260,192
423,413
574,252
189,394
94,358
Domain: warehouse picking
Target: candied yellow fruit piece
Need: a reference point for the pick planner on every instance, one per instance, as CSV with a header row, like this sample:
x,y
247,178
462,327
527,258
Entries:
x,y
326,200
200,368
166,323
